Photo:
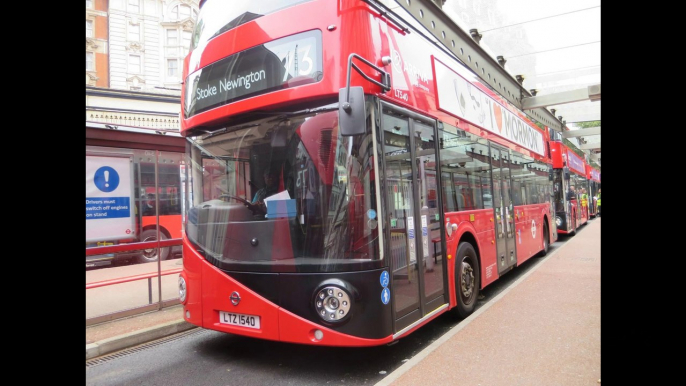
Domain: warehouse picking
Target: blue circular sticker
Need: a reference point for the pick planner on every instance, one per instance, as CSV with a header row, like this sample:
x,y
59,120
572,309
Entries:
x,y
384,279
106,179
371,213
385,295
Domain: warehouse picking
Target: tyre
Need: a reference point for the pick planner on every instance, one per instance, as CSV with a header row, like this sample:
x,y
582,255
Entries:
x,y
546,240
150,255
467,279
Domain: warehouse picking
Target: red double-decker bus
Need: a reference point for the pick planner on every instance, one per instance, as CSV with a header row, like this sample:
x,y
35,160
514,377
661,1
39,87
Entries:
x,y
349,179
571,188
593,177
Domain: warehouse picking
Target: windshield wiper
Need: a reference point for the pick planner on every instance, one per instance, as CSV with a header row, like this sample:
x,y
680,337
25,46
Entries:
x,y
286,114
223,130
278,116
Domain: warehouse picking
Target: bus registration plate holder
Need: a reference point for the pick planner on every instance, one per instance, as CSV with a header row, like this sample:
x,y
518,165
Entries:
x,y
242,320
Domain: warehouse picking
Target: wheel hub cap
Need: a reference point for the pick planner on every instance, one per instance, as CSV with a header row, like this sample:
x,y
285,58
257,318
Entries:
x,y
467,279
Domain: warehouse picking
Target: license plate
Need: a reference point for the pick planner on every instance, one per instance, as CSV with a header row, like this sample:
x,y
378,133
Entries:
x,y
250,321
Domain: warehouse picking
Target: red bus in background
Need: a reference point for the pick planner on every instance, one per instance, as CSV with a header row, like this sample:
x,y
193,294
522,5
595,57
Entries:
x,y
165,194
593,177
404,185
569,181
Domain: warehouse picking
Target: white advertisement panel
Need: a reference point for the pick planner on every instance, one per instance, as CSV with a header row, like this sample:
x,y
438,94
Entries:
x,y
460,98
109,198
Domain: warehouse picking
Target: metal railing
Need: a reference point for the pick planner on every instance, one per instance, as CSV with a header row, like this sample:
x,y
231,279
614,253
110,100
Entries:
x,y
151,305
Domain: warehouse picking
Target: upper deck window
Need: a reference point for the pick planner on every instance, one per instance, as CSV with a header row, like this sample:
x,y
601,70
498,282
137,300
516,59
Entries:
x,y
219,16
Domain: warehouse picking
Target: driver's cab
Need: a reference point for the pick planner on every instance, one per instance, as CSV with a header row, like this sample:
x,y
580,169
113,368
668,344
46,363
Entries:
x,y
242,179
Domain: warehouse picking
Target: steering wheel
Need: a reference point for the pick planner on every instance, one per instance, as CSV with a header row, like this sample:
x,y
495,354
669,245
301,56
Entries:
x,y
256,209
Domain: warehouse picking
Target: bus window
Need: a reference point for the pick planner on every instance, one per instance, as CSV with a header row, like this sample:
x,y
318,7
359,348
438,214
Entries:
x,y
465,170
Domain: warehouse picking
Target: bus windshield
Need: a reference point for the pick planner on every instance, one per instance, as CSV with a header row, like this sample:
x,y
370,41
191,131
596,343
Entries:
x,y
219,16
285,192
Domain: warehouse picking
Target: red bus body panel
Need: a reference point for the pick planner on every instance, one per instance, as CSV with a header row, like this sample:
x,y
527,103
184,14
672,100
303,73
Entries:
x,y
529,220
171,223
275,323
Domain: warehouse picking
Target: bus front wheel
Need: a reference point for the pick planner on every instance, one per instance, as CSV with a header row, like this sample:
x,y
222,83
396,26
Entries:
x,y
150,255
466,279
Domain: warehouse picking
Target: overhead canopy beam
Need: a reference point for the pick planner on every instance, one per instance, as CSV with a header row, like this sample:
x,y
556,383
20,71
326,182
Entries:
x,y
589,146
591,93
581,132
470,53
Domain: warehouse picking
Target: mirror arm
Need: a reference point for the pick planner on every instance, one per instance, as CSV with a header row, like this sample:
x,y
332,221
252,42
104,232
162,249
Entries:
x,y
385,83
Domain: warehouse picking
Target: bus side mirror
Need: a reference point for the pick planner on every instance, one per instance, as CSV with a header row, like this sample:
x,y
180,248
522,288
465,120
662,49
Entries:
x,y
566,173
352,114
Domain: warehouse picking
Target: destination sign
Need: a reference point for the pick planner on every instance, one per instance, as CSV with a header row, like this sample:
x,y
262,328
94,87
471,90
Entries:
x,y
277,65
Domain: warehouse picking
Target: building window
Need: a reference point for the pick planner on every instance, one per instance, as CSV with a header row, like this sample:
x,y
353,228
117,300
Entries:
x,y
89,28
184,11
90,61
172,37
134,6
134,33
134,64
89,4
172,67
186,41
181,12
172,43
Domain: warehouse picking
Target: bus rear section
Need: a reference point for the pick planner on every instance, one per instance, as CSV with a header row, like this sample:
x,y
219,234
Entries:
x,y
593,177
570,187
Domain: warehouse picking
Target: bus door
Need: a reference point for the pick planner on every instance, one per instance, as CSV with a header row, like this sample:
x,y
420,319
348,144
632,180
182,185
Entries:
x,y
412,213
504,210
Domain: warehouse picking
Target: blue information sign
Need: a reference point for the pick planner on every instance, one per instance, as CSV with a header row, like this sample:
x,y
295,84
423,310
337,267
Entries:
x,y
106,179
385,295
384,279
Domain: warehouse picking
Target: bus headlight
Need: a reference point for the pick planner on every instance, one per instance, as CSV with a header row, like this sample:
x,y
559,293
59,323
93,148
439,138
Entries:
x,y
558,221
182,289
333,301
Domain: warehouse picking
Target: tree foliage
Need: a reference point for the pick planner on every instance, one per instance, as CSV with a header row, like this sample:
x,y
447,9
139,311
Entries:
x,y
587,124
